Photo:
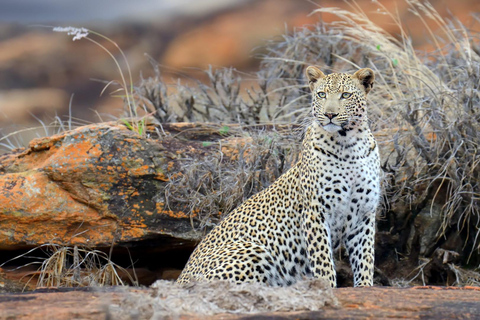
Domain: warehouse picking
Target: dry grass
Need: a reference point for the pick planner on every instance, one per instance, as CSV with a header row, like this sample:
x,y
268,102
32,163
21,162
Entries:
x,y
80,267
66,266
19,137
465,277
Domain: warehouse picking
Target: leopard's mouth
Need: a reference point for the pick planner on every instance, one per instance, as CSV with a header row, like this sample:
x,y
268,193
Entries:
x,y
331,125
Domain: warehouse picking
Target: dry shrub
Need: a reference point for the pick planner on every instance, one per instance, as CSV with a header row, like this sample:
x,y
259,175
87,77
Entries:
x,y
220,182
424,110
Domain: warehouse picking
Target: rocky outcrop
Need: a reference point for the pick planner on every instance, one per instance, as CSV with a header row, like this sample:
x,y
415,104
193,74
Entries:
x,y
353,303
103,184
90,186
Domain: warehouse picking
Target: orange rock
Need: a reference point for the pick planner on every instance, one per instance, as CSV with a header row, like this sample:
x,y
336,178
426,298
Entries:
x,y
91,186
102,184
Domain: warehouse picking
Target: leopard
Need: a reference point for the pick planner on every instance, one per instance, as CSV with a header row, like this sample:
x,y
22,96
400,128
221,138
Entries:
x,y
325,202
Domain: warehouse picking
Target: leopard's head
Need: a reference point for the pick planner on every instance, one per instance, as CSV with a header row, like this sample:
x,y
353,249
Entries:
x,y
339,99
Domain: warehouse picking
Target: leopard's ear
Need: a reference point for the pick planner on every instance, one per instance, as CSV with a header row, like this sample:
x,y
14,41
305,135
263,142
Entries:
x,y
313,74
366,78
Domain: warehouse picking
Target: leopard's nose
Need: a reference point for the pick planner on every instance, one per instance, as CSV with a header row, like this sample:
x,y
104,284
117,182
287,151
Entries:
x,y
331,115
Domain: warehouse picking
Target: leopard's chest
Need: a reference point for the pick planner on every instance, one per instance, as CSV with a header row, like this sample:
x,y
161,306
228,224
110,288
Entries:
x,y
344,184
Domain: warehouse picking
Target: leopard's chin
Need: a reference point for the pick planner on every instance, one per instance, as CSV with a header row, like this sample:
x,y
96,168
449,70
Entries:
x,y
331,127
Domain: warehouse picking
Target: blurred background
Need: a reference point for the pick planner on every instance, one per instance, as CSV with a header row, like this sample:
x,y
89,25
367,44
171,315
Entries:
x,y
44,74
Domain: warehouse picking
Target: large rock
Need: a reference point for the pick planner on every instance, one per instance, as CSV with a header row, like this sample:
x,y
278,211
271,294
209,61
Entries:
x,y
103,184
353,303
96,185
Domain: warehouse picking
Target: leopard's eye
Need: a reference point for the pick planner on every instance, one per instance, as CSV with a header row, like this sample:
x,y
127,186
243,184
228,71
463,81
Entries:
x,y
322,95
346,95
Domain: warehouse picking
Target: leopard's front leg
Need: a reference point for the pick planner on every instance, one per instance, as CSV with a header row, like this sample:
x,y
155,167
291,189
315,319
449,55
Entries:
x,y
359,243
318,242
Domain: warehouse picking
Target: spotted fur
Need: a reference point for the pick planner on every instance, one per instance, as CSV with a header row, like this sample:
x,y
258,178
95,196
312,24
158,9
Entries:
x,y
328,199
